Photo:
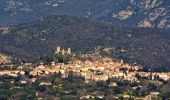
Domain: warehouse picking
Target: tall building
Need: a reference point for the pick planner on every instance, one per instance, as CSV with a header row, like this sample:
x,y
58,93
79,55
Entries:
x,y
69,51
58,50
121,61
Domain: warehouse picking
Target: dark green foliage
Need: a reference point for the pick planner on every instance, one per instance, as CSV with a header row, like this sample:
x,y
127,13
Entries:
x,y
59,58
166,96
68,97
144,46
118,90
152,87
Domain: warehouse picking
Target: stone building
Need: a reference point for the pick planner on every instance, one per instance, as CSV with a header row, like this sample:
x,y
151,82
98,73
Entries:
x,y
62,51
69,51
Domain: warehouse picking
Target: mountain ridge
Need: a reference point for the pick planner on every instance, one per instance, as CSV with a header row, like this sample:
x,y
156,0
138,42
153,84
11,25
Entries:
x,y
146,13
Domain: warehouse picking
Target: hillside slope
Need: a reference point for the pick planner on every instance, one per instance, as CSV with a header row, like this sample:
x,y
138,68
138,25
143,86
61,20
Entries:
x,y
142,13
145,46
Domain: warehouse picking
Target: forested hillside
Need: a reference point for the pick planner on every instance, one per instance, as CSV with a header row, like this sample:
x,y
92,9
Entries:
x,y
145,46
142,13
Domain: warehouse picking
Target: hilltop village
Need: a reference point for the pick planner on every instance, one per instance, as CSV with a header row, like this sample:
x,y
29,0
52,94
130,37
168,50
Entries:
x,y
103,79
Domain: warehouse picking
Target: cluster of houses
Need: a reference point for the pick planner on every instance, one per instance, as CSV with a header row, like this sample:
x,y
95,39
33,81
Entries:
x,y
100,70
92,70
96,70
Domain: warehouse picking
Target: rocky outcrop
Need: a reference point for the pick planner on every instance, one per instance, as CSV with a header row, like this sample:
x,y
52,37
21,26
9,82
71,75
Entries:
x,y
122,15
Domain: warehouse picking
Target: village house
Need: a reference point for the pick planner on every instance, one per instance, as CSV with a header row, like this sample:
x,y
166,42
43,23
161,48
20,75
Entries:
x,y
23,81
33,80
144,74
87,62
136,68
100,68
53,63
87,75
126,96
118,75
12,81
7,66
100,77
112,84
40,70
13,73
64,73
163,76
98,94
131,76
22,72
87,97
45,83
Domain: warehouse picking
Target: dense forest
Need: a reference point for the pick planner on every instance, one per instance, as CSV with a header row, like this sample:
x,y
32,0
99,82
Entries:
x,y
146,46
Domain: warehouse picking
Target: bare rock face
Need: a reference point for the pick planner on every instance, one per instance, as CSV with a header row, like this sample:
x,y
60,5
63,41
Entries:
x,y
122,15
148,13
162,23
145,24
